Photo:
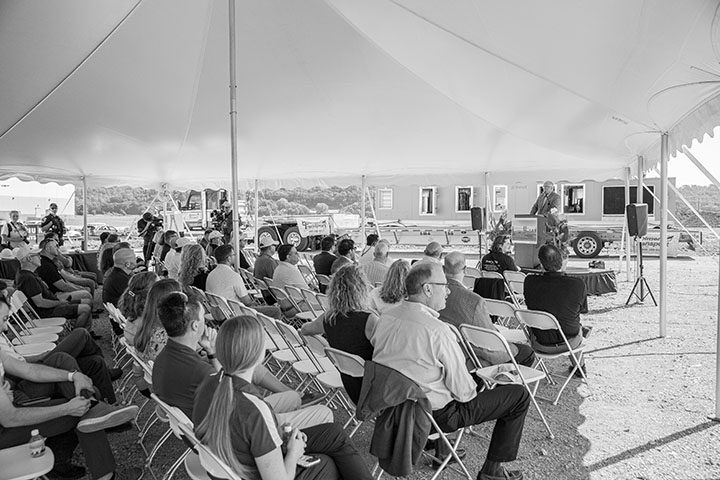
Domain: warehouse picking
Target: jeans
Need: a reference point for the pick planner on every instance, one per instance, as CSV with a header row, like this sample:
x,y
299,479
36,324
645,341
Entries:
x,y
338,456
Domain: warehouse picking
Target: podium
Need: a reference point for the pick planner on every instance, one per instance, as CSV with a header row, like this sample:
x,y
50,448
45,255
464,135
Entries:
x,y
529,233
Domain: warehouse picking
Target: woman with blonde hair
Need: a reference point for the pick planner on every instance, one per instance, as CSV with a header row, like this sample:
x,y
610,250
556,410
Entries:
x,y
151,337
193,266
132,302
237,425
392,290
349,322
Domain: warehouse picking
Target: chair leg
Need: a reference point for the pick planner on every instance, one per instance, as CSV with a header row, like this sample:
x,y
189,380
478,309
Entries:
x,y
537,407
173,468
453,454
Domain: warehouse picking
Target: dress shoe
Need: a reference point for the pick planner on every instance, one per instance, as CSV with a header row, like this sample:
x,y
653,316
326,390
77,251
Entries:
x,y
115,373
94,335
504,475
460,453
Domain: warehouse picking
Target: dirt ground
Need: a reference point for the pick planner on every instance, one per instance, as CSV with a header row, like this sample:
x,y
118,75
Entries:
x,y
645,413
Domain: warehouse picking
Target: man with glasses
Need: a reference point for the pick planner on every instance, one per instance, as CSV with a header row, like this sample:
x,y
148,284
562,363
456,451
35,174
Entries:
x,y
412,339
52,223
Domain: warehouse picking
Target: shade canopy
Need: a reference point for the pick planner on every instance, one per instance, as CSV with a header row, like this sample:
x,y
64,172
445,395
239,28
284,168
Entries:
x,y
136,92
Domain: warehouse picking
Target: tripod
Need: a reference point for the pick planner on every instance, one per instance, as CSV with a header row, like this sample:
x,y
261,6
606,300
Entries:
x,y
641,282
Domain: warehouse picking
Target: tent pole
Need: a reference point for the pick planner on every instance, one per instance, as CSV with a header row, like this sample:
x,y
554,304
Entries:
x,y
84,205
363,187
701,167
663,232
233,135
639,198
627,230
257,221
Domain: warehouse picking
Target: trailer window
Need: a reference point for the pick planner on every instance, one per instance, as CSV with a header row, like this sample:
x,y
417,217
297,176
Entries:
x,y
614,199
573,198
463,199
500,198
385,199
427,201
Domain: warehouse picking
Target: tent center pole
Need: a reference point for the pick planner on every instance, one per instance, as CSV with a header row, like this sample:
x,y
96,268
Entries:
x,y
233,135
363,187
84,207
663,232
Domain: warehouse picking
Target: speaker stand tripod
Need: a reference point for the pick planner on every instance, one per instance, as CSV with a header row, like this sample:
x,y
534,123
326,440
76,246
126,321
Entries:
x,y
640,282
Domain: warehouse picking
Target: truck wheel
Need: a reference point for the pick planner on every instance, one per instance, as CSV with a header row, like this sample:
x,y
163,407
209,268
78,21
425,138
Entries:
x,y
267,232
588,245
293,237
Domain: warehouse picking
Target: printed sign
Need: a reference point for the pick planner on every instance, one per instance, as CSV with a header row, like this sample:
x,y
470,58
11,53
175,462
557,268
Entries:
x,y
651,243
317,226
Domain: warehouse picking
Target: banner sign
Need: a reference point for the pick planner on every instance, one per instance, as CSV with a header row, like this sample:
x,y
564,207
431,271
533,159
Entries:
x,y
651,243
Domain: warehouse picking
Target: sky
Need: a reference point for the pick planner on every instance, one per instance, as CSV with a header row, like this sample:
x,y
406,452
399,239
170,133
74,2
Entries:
x,y
708,152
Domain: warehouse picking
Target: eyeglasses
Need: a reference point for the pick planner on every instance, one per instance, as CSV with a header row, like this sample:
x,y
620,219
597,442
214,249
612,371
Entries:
x,y
436,283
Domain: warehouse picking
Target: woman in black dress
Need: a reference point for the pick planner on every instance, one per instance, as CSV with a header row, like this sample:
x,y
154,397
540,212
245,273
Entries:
x,y
349,323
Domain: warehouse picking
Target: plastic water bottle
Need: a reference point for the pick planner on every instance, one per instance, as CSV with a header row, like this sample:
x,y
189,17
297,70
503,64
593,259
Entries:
x,y
36,444
286,433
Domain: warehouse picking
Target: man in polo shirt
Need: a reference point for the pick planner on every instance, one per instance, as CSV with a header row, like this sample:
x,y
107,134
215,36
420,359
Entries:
x,y
412,339
563,296
265,264
224,281
39,295
117,279
323,261
287,272
49,273
377,269
179,370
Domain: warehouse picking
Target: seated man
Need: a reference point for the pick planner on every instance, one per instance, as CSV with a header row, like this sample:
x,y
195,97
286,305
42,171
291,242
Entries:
x,y
71,413
412,339
323,261
265,264
287,272
41,298
466,307
563,296
366,256
432,253
376,270
50,274
178,369
116,281
346,255
227,283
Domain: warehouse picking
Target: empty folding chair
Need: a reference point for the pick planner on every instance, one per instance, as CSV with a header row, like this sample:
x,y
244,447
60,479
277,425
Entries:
x,y
18,464
547,321
219,309
286,353
238,308
516,285
307,366
288,307
20,302
472,272
31,352
505,315
493,341
309,276
324,301
305,310
312,301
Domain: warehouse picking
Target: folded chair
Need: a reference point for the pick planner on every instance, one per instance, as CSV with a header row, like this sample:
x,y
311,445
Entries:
x,y
547,321
492,375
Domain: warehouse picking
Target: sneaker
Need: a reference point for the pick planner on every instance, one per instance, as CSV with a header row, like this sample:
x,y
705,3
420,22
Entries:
x,y
586,331
66,471
312,398
103,416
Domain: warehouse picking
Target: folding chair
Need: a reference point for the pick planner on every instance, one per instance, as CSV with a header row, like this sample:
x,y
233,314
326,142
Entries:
x,y
312,300
324,301
238,308
472,272
219,309
515,282
352,366
493,341
309,276
547,321
17,464
504,311
469,282
25,328
198,466
305,310
286,353
175,417
287,306
308,368
20,302
323,281
31,352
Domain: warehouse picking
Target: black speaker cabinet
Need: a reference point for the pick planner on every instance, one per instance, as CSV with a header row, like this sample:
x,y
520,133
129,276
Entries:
x,y
637,219
478,218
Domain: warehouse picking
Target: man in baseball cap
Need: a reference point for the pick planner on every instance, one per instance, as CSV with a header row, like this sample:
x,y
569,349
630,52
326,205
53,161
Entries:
x,y
265,264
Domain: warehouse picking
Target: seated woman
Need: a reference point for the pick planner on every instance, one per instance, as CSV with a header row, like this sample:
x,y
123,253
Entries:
x,y
132,302
193,267
499,259
348,323
237,425
392,290
151,338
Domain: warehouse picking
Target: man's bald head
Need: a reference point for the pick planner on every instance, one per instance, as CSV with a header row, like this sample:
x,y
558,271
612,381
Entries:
x,y
381,251
433,249
454,264
125,259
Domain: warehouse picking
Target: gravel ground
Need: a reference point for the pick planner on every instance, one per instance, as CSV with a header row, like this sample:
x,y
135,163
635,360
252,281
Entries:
x,y
645,413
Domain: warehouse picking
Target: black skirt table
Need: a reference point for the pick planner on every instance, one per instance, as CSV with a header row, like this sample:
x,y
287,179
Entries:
x,y
597,281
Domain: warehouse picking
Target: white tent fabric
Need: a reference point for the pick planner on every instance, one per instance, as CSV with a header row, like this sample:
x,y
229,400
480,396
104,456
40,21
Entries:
x,y
341,88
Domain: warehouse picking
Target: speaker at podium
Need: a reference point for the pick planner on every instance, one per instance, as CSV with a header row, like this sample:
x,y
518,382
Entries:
x,y
529,233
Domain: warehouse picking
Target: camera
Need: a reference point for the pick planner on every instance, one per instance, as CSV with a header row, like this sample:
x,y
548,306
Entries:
x,y
156,222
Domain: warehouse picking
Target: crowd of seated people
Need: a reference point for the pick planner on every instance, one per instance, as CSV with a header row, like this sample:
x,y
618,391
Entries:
x,y
392,314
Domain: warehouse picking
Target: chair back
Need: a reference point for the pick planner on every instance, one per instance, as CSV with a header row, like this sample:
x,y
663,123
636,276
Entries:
x,y
219,308
472,272
500,308
324,301
538,319
346,363
285,302
209,461
238,308
317,344
295,294
468,282
312,300
484,338
323,279
308,275
488,274
514,276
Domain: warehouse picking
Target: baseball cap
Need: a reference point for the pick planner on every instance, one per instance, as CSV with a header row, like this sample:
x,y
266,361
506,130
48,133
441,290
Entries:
x,y
22,253
214,234
267,241
7,254
53,205
182,241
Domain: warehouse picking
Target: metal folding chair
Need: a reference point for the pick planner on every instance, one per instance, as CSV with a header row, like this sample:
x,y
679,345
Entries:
x,y
547,321
515,282
493,341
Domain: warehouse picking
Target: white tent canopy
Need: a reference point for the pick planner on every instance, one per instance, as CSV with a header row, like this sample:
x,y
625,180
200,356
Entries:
x,y
342,88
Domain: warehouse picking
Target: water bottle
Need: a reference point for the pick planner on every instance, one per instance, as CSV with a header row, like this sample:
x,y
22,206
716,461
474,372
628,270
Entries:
x,y
286,433
36,444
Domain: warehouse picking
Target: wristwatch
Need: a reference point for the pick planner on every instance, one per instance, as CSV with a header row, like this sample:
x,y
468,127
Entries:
x,y
71,375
